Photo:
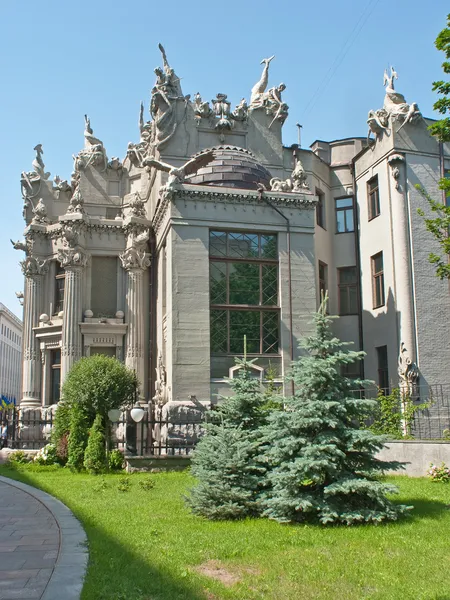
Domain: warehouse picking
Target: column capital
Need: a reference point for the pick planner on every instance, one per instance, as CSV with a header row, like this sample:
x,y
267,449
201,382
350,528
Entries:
x,y
32,266
72,257
133,258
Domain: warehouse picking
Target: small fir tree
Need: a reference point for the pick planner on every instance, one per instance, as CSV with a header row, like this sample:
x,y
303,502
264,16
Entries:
x,y
95,454
225,460
78,438
322,467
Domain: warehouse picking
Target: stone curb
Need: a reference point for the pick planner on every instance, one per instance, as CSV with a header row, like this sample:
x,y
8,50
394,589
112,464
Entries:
x,y
67,578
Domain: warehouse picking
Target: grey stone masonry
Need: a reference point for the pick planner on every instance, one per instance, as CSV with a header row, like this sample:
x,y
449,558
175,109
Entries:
x,y
43,548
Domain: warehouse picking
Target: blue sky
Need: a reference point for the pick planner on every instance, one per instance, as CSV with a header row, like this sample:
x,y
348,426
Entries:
x,y
60,60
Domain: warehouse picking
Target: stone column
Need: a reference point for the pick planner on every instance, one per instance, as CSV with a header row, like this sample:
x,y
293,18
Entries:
x,y
73,262
33,269
135,262
407,368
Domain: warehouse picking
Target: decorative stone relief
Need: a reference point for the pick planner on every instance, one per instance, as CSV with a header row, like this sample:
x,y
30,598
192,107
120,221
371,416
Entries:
x,y
202,110
296,183
40,214
137,206
76,204
161,389
70,234
394,161
165,93
115,165
72,257
93,153
133,258
222,110
407,370
24,245
178,174
240,113
31,181
32,266
61,185
395,109
269,100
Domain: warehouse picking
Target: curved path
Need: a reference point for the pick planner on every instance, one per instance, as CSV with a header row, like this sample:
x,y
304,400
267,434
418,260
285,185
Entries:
x,y
43,547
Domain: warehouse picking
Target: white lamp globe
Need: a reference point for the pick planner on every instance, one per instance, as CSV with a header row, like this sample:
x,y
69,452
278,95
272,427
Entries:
x,y
137,414
114,415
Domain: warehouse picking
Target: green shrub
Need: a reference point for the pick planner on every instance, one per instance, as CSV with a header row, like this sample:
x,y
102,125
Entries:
x,y
19,457
124,484
115,460
98,384
60,431
78,438
146,484
95,454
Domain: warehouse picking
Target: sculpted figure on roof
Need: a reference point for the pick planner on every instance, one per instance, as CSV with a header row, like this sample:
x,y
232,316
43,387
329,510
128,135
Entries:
x,y
269,100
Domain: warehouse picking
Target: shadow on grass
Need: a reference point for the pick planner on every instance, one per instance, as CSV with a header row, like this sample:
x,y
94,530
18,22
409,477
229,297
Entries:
x,y
115,573
425,509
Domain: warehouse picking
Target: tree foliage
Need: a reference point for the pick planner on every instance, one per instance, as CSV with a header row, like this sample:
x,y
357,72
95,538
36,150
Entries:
x,y
225,461
98,384
322,466
78,437
95,455
439,224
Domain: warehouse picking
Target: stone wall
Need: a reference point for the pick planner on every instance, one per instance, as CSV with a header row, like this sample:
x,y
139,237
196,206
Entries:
x,y
417,454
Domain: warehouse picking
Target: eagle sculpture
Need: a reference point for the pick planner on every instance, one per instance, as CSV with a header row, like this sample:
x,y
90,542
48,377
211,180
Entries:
x,y
179,174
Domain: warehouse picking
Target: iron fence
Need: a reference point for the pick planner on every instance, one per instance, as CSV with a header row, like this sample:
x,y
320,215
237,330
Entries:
x,y
174,430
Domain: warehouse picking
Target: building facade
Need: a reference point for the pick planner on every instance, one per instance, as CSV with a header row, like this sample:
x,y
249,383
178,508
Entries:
x,y
10,358
210,230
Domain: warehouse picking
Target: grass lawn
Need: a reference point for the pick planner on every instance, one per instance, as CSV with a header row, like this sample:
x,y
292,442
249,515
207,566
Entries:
x,y
145,545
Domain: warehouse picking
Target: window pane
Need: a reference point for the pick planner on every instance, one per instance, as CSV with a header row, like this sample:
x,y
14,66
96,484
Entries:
x,y
219,331
244,283
245,323
243,245
217,243
340,221
349,220
353,299
344,202
218,282
270,332
378,263
55,385
269,246
347,275
270,285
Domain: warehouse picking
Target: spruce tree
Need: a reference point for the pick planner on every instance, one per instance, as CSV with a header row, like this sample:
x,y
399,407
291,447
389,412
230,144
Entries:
x,y
225,460
322,466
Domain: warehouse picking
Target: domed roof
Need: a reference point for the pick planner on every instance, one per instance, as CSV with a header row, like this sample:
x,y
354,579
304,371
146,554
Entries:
x,y
232,167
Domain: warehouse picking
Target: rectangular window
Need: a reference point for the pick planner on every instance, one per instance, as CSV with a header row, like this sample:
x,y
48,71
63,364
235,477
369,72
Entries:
x,y
320,209
244,292
60,281
344,215
55,375
348,291
383,373
373,195
377,280
104,286
323,286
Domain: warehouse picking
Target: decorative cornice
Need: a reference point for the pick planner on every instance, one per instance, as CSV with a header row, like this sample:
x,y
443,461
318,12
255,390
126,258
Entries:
x,y
231,196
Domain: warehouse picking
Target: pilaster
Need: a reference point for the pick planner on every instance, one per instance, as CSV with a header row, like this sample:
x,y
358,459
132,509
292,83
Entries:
x,y
34,270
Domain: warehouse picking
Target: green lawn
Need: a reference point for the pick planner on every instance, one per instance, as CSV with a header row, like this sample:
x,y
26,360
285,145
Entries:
x,y
145,545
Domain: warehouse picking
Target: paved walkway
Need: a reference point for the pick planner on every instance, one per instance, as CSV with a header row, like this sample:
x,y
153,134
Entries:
x,y
43,548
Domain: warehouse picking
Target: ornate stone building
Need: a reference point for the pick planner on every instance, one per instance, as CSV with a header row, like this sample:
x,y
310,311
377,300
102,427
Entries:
x,y
210,229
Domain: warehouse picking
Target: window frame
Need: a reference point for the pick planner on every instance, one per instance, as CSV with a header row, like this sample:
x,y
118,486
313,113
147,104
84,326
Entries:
x,y
378,282
60,276
320,209
371,192
346,286
260,307
344,209
323,282
383,369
